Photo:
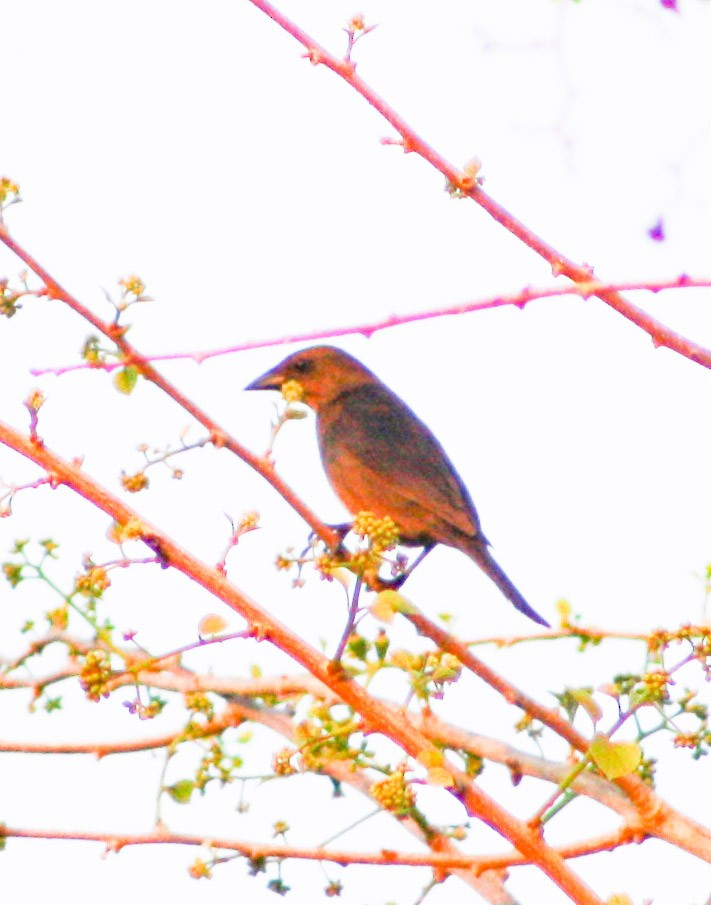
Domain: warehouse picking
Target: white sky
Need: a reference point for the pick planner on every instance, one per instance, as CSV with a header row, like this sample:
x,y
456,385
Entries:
x,y
191,144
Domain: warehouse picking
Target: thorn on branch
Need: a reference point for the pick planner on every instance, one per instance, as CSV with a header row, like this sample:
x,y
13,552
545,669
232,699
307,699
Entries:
x,y
259,631
313,56
466,181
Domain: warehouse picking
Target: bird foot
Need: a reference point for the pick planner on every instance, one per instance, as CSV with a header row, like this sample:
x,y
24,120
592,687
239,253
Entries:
x,y
378,584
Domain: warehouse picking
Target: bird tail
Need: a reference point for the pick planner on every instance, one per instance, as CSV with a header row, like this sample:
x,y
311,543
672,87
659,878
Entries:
x,y
486,562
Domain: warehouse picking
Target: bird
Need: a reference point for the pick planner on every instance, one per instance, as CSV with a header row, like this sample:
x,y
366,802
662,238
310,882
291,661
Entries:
x,y
379,457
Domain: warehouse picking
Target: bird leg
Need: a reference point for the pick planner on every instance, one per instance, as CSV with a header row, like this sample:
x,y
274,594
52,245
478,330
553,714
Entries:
x,y
381,584
343,530
393,584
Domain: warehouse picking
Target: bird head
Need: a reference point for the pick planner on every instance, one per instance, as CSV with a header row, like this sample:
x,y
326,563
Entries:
x,y
323,372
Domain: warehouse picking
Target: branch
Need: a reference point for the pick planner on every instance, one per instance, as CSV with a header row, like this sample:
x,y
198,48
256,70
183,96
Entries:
x,y
258,851
466,184
377,717
519,299
239,710
489,885
656,817
478,872
576,632
131,356
240,692
521,763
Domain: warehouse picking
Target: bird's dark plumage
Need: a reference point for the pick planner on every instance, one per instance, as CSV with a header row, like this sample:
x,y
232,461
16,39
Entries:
x,y
379,457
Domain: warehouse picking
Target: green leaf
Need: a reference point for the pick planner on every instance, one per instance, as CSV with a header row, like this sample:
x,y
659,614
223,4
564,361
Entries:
x,y
584,698
404,659
615,759
438,776
358,646
389,602
125,380
181,791
573,698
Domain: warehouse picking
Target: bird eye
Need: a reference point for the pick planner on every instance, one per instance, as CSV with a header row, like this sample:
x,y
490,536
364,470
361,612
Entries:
x,y
302,367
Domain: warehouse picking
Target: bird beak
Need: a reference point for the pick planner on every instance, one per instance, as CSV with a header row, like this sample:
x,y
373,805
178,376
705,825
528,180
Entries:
x,y
272,380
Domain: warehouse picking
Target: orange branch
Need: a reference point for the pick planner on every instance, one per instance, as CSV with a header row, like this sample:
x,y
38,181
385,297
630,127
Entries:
x,y
220,437
257,851
377,717
655,816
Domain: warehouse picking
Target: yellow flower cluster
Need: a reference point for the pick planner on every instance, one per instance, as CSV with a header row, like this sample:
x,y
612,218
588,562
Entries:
x,y
134,482
93,582
281,762
248,522
133,284
292,391
656,684
58,618
394,793
443,667
199,870
698,635
283,563
132,530
95,674
381,532
686,740
199,702
35,400
8,189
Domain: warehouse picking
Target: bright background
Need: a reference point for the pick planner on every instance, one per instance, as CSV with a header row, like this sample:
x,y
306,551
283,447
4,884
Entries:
x,y
192,145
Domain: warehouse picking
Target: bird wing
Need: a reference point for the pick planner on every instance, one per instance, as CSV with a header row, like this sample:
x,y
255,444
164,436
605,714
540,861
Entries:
x,y
378,454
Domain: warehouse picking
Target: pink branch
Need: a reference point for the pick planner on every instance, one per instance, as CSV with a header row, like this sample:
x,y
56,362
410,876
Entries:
x,y
466,184
519,299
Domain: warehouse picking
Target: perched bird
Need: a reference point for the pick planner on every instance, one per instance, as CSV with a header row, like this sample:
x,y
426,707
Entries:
x,y
379,457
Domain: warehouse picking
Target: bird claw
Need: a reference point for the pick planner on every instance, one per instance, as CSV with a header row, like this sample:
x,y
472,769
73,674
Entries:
x,y
341,530
389,584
